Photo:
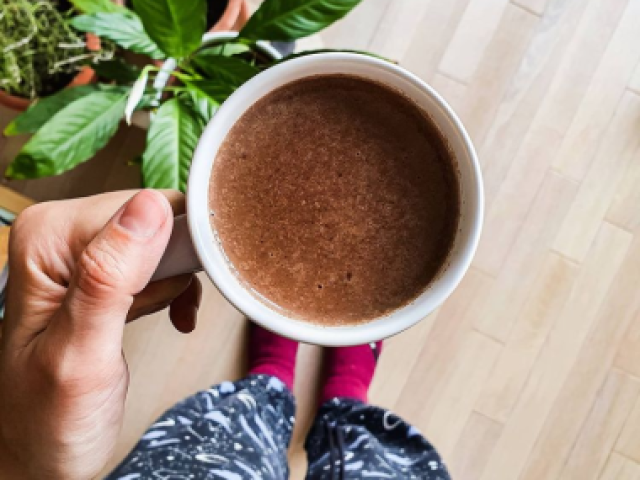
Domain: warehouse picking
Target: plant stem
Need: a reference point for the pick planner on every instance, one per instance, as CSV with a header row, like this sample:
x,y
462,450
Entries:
x,y
181,76
168,89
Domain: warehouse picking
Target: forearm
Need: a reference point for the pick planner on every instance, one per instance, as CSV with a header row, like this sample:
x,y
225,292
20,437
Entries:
x,y
10,468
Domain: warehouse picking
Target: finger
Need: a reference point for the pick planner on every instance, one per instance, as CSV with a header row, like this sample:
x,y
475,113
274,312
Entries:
x,y
114,267
92,213
158,295
112,201
184,309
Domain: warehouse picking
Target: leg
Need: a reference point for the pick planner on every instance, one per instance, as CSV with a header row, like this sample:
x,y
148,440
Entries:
x,y
238,430
353,440
232,431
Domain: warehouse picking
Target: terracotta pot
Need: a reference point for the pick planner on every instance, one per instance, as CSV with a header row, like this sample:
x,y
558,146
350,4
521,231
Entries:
x,y
234,17
85,76
16,103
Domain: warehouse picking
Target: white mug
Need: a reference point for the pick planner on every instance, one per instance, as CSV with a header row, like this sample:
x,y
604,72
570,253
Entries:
x,y
197,246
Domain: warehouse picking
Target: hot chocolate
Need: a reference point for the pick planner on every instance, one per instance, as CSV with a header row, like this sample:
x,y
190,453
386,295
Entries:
x,y
336,199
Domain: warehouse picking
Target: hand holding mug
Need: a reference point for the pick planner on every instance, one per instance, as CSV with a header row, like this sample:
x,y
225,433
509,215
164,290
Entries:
x,y
79,270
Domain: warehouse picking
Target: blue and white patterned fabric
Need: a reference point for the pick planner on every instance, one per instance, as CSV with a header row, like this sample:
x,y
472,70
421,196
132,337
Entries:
x,y
241,430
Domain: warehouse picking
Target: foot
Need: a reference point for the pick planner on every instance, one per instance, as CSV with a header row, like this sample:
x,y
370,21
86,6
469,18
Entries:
x,y
271,354
349,371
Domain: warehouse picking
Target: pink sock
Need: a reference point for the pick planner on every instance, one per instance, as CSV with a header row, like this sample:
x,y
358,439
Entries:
x,y
349,371
271,354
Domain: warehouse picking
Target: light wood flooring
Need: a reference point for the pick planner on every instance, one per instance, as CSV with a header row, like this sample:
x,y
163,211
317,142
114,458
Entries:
x,y
531,370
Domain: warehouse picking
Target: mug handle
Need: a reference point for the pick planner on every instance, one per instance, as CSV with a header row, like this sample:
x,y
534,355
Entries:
x,y
180,256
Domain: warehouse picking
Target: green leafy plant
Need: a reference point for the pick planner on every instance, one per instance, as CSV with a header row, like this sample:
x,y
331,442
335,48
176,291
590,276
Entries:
x,y
70,127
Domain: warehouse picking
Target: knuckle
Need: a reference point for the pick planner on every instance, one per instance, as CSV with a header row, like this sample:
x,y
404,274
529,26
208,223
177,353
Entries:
x,y
31,215
21,235
99,269
29,219
52,367
66,372
60,368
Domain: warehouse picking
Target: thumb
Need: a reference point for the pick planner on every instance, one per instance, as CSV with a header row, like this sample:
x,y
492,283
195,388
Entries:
x,y
115,266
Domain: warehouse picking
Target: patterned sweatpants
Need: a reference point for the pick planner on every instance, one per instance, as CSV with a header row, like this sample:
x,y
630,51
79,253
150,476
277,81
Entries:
x,y
241,430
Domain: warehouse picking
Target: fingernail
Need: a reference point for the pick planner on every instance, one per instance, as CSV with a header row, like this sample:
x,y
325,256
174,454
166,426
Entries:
x,y
186,322
144,214
193,317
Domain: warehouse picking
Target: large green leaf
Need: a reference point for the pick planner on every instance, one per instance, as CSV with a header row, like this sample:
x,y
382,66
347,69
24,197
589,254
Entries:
x,y
45,108
123,28
97,6
233,71
216,91
72,136
204,107
171,140
117,69
292,19
176,26
227,49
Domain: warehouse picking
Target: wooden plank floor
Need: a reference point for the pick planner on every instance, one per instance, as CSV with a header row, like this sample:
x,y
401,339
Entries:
x,y
531,370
